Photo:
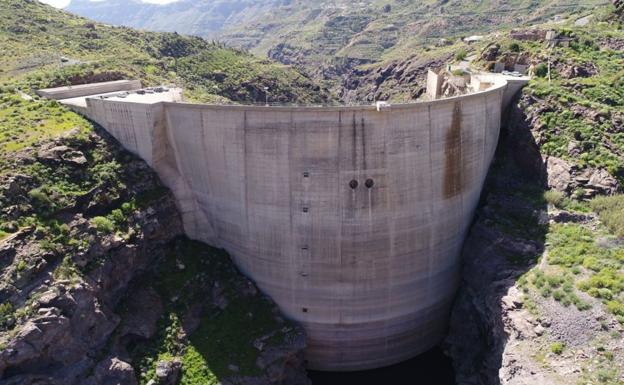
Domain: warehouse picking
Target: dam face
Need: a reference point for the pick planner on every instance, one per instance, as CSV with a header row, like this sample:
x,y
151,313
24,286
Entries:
x,y
351,219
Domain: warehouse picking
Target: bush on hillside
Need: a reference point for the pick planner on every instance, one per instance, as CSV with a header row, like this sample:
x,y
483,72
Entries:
x,y
541,70
611,212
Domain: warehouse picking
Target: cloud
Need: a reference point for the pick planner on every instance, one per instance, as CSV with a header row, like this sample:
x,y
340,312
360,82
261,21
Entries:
x,y
65,3
57,3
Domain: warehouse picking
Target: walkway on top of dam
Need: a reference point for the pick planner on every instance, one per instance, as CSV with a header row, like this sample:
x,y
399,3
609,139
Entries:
x,y
132,91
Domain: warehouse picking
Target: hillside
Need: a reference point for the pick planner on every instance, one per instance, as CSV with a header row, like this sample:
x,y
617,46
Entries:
x,y
374,30
67,48
543,292
329,38
200,18
98,284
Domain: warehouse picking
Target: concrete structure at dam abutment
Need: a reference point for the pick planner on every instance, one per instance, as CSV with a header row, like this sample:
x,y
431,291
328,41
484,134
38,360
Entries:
x,y
350,218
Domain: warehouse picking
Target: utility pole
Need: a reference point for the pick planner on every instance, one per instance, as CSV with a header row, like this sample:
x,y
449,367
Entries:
x,y
549,65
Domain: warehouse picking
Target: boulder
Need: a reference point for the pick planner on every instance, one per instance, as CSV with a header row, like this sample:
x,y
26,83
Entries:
x,y
578,71
112,371
559,174
52,152
168,372
76,158
603,182
490,53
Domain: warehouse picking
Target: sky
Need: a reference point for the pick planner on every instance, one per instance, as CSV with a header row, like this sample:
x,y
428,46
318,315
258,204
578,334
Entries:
x,y
65,3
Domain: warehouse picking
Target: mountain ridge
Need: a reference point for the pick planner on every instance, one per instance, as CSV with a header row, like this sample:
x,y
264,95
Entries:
x,y
331,39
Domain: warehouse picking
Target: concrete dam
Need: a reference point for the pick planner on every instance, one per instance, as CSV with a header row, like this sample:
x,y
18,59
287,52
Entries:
x,y
350,218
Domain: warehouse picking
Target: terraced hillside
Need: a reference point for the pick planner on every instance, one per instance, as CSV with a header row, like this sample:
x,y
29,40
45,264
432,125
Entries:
x,y
201,18
70,49
328,38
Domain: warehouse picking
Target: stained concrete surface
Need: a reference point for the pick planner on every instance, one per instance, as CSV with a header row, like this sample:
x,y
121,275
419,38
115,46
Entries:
x,y
350,218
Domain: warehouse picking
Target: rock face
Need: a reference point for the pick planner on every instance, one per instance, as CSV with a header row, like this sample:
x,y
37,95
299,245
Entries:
x,y
61,286
479,332
568,178
508,235
564,175
69,313
619,8
403,79
497,336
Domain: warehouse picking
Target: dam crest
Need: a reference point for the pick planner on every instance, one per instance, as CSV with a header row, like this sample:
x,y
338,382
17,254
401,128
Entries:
x,y
351,218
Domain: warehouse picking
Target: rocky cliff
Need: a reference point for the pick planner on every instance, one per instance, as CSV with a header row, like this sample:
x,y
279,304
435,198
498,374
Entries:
x,y
541,297
99,287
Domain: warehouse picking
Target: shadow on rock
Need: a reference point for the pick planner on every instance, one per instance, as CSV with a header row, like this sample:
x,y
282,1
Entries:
x,y
506,240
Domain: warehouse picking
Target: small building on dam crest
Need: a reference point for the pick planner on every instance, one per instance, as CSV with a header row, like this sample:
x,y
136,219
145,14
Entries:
x,y
350,218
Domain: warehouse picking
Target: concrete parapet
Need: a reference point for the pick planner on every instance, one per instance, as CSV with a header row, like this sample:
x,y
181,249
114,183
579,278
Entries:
x,y
434,85
89,89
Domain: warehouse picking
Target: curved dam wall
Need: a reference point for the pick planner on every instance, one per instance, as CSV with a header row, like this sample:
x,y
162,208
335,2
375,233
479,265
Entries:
x,y
351,219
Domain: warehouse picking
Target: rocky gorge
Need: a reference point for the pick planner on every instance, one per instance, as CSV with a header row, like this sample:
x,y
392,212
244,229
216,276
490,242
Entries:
x,y
97,278
524,314
99,286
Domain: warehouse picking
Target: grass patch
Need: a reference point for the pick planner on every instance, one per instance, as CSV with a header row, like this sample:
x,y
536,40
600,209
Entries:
x,y
611,212
103,225
573,249
187,276
557,348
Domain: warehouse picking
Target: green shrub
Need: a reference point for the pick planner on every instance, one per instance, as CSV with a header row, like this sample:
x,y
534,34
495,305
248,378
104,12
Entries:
x,y
579,303
611,212
592,263
607,278
571,245
557,348
103,225
554,197
461,55
41,199
558,295
66,270
538,278
21,266
554,281
615,307
117,216
64,230
128,208
606,376
9,227
546,292
541,70
514,47
6,314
